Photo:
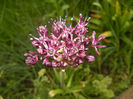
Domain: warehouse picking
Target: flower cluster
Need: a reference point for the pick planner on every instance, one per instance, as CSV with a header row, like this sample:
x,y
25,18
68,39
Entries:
x,y
65,46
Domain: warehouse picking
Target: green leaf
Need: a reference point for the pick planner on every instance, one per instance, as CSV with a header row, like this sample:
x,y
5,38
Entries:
x,y
95,21
79,96
118,8
70,80
52,93
97,4
106,34
41,72
64,7
109,93
128,41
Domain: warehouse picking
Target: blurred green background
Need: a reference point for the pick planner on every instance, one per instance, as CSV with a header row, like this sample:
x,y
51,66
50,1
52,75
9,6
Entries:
x,y
106,78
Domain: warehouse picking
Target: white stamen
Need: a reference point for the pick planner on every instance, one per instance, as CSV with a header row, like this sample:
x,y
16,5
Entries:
x,y
45,45
36,38
30,34
31,39
40,58
65,64
71,19
41,38
54,57
63,70
61,41
54,43
88,18
60,18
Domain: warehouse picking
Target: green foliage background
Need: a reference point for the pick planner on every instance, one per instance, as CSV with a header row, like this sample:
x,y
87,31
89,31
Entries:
x,y
106,78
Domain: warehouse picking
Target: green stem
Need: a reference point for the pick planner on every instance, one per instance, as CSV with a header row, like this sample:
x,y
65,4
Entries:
x,y
57,75
62,79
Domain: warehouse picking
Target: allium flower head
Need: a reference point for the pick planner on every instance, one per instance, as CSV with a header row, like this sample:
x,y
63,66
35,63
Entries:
x,y
65,46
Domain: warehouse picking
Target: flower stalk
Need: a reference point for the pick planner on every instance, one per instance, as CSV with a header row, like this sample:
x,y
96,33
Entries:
x,y
62,79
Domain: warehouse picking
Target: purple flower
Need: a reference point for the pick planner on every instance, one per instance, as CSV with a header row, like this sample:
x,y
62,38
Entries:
x,y
47,62
66,46
32,58
81,26
42,30
90,58
95,42
36,43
